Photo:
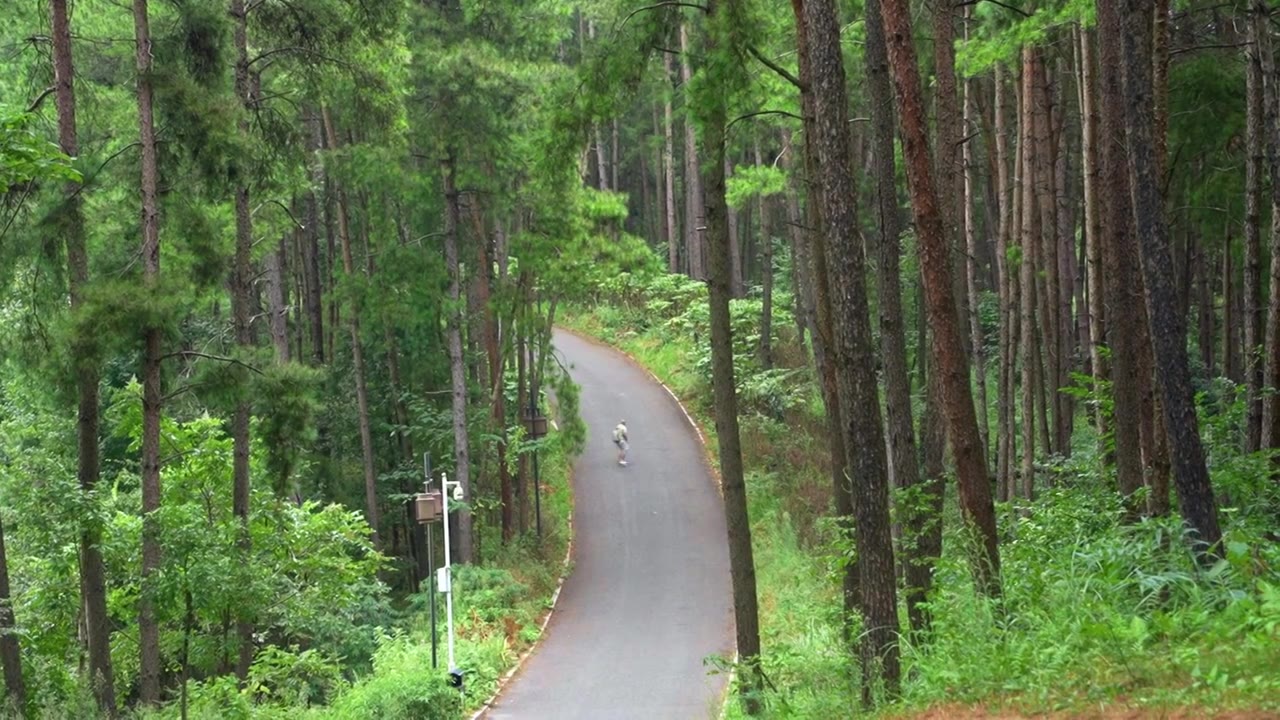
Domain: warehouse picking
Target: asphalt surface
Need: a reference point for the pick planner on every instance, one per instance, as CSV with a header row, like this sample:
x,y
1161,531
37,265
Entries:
x,y
648,598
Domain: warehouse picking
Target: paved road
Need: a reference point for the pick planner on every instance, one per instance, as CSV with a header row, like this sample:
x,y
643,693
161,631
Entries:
x,y
649,595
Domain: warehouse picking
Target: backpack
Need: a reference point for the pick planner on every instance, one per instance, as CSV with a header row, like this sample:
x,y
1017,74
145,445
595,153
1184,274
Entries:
x,y
617,434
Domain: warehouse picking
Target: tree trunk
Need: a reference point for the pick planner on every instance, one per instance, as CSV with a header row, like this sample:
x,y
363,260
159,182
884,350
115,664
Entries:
x,y
1093,220
1030,228
948,347
1206,320
93,584
461,450
148,626
278,301
693,243
1049,289
613,157
311,237
1230,311
669,170
1271,361
1168,332
1123,327
855,361
741,562
357,351
801,264
10,653
241,290
766,269
1004,279
973,251
893,333
1252,291
736,286
823,332
948,158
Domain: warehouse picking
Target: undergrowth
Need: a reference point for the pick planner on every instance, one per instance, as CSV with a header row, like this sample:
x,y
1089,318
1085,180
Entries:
x,y
498,608
1095,613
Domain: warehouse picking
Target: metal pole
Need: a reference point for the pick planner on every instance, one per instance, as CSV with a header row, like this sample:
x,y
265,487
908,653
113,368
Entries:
x,y
432,576
533,412
448,568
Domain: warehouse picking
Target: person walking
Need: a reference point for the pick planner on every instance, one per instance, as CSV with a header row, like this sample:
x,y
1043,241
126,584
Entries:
x,y
620,439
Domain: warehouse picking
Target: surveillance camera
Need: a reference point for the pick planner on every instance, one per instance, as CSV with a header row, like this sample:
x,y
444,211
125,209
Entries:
x,y
457,493
455,678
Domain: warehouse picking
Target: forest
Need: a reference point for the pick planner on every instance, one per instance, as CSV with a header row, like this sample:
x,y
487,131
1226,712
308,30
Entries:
x,y
977,304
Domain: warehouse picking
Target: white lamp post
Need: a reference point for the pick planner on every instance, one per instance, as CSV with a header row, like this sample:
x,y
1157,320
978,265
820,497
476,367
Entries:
x,y
444,578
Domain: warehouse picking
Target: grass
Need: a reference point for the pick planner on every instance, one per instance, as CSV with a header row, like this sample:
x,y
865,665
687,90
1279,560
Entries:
x,y
1098,619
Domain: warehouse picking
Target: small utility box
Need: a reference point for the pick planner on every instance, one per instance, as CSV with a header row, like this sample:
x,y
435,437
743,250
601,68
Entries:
x,y
535,425
442,579
428,506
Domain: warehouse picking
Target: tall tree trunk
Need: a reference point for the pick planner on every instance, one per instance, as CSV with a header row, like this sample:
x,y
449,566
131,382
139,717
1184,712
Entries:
x,y
1230,311
741,562
736,286
613,157
669,170
693,242
823,329
93,583
1253,326
10,653
949,170
1123,326
948,347
1004,279
461,449
862,427
1049,290
241,292
893,333
357,350
1093,219
1030,230
766,270
972,250
1206,320
278,300
1168,332
801,282
148,626
1271,361
311,236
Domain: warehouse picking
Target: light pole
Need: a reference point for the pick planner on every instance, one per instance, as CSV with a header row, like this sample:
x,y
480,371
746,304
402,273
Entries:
x,y
445,575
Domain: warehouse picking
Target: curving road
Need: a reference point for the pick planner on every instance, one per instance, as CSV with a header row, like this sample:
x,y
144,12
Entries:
x,y
649,594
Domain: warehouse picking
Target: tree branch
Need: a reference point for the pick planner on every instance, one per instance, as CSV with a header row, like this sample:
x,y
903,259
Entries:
x,y
748,116
777,68
35,104
207,356
1020,11
671,3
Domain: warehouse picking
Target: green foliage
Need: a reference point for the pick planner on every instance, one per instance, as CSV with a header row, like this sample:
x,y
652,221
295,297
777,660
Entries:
x,y
26,156
752,181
